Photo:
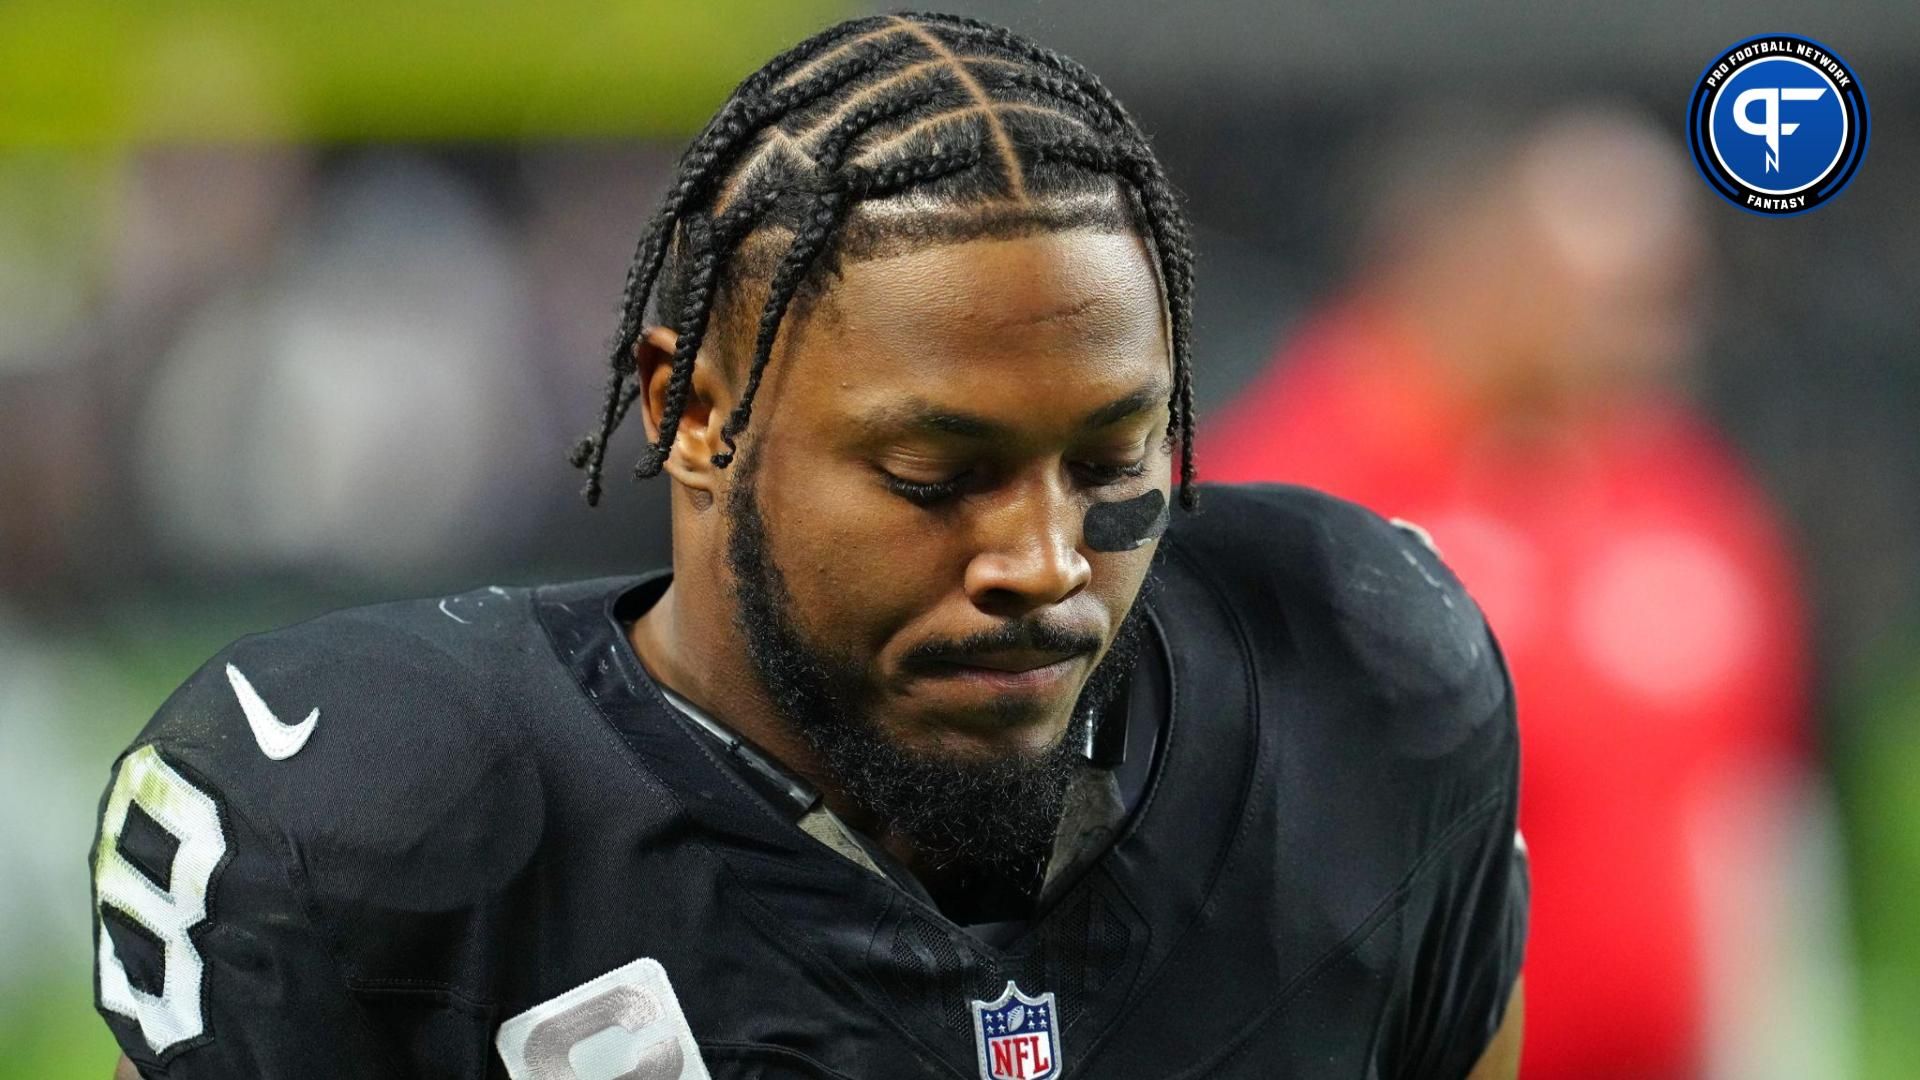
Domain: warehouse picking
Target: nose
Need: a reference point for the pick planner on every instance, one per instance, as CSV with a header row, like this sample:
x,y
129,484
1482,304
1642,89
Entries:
x,y
1028,554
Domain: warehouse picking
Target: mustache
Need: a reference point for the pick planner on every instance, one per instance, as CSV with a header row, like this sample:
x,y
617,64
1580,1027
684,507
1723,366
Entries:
x,y
1020,634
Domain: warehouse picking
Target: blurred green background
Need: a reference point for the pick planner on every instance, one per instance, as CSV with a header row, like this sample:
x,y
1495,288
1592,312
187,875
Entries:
x,y
97,73
301,304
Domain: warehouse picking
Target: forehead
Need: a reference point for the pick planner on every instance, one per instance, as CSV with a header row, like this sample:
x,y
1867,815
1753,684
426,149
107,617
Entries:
x,y
1028,322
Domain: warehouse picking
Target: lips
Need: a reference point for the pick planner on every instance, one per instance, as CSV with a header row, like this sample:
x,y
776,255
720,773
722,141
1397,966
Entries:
x,y
999,674
1011,661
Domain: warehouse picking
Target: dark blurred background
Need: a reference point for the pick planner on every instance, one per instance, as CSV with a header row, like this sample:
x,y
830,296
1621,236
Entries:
x,y
301,306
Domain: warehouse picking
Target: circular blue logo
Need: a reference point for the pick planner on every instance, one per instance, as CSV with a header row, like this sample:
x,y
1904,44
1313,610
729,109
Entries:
x,y
1778,124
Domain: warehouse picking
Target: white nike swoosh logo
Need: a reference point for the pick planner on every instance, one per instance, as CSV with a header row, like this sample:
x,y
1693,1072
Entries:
x,y
277,740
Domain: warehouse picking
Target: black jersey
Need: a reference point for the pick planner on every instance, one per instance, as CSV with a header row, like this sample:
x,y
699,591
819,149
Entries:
x,y
469,837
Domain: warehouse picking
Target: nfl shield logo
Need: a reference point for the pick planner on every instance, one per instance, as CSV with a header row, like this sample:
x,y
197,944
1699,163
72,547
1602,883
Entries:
x,y
1018,1037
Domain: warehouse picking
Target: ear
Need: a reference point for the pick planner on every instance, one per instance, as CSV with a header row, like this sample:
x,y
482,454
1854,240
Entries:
x,y
697,436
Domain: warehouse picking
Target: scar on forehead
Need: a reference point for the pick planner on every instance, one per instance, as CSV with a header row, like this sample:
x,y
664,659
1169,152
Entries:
x,y
1127,524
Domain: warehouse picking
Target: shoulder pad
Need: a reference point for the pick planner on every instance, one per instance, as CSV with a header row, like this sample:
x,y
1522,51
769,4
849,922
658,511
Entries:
x,y
372,736
1362,593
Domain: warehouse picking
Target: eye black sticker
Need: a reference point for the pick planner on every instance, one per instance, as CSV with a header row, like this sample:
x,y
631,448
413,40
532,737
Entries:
x,y
1125,525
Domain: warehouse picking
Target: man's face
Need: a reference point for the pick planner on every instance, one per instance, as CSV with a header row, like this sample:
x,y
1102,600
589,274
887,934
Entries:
x,y
908,520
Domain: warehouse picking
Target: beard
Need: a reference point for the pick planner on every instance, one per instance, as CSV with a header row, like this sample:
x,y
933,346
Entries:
x,y
994,815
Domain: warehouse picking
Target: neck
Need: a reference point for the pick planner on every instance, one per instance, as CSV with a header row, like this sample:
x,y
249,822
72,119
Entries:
x,y
697,651
701,656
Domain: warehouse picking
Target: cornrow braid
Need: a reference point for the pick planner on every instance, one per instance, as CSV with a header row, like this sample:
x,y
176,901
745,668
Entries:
x,y
712,149
994,132
799,259
1043,58
693,328
589,453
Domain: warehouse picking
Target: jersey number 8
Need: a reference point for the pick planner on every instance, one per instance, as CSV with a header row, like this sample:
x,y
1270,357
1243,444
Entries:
x,y
167,909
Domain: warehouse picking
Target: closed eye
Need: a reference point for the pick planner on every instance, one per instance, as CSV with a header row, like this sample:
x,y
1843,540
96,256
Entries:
x,y
922,493
933,493
1101,475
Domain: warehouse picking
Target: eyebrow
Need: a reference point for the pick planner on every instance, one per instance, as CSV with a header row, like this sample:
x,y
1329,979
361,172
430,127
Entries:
x,y
920,415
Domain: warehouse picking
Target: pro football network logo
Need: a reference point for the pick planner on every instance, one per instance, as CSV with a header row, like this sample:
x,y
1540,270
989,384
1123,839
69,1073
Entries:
x,y
1018,1037
1778,124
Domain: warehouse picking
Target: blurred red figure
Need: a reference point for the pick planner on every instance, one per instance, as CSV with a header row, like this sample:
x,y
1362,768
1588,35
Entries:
x,y
1502,373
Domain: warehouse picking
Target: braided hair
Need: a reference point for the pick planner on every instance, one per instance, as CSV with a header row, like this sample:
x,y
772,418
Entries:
x,y
981,132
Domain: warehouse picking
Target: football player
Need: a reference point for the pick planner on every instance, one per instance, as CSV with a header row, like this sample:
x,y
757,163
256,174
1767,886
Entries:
x,y
948,746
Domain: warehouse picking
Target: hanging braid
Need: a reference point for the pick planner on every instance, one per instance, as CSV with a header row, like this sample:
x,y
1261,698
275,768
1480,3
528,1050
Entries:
x,y
999,135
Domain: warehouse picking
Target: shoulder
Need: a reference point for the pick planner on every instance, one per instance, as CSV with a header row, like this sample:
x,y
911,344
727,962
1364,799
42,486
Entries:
x,y
361,723
310,805
1365,603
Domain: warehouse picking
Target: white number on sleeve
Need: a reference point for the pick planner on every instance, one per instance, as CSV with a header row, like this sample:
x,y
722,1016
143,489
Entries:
x,y
191,816
624,1025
